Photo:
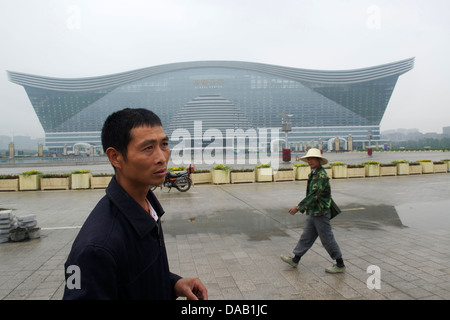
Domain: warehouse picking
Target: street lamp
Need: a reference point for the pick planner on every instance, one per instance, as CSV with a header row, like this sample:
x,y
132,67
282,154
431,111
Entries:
x,y
369,149
286,126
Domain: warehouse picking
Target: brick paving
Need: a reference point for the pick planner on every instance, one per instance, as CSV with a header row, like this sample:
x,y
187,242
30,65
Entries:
x,y
231,237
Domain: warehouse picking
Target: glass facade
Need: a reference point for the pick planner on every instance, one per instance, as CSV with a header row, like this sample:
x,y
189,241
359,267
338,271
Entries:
x,y
221,95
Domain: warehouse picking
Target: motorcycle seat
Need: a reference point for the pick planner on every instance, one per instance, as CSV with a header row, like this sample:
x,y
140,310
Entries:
x,y
176,174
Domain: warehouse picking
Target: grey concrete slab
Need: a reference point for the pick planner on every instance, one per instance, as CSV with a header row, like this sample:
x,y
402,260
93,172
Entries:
x,y
231,236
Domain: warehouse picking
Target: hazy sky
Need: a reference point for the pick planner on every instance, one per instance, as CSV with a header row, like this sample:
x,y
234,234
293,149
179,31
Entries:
x,y
86,38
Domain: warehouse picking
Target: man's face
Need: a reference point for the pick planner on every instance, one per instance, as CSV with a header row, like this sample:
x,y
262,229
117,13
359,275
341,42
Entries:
x,y
147,157
313,162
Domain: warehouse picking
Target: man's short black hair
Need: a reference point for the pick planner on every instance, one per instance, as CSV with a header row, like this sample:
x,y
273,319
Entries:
x,y
116,131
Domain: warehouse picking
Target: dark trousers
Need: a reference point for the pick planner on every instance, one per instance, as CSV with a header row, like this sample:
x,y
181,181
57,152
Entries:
x,y
318,226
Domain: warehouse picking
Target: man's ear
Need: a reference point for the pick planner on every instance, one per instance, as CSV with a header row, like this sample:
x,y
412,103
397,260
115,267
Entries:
x,y
115,157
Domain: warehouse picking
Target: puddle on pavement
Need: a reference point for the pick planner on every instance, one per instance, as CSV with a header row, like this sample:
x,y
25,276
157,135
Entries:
x,y
255,226
368,217
259,226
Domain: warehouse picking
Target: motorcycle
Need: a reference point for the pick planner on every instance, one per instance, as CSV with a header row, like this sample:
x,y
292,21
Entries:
x,y
180,180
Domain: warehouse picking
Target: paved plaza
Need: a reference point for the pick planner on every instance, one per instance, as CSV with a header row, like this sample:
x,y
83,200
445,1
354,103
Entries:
x,y
232,236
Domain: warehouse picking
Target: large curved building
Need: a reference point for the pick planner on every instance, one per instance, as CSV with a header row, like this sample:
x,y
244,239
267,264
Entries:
x,y
221,94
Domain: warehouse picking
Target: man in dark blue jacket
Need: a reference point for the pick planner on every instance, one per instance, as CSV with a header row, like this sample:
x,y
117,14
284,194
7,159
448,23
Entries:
x,y
119,252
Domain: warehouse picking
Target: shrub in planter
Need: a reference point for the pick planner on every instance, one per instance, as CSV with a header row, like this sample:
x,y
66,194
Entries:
x,y
100,181
30,180
176,169
415,168
427,166
242,175
9,182
388,169
263,172
81,179
372,168
356,171
302,170
220,174
31,173
55,181
338,169
402,166
439,167
201,176
8,176
284,174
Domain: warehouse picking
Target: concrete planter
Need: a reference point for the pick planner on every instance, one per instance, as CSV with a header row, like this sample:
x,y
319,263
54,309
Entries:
x,y
9,184
80,180
263,174
284,175
372,170
29,182
242,177
220,176
100,182
55,183
301,173
427,167
402,168
329,172
415,169
339,172
388,170
204,177
356,172
440,167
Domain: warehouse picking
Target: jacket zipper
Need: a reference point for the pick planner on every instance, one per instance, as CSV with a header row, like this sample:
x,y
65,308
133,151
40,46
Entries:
x,y
159,236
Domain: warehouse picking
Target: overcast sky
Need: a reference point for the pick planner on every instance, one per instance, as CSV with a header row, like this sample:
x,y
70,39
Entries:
x,y
73,38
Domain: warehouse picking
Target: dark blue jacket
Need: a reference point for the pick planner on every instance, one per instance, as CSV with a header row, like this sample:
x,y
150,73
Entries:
x,y
120,252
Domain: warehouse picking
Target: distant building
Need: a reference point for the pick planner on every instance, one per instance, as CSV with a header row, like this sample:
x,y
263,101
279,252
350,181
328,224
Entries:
x,y
446,131
324,105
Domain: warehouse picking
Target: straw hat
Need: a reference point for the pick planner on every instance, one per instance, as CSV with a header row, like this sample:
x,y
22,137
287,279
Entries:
x,y
314,153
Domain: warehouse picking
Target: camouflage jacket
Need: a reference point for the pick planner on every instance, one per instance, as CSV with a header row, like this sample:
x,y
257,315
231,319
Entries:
x,y
318,194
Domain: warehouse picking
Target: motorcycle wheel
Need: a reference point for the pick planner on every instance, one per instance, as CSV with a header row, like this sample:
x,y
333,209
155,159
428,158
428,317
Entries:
x,y
183,184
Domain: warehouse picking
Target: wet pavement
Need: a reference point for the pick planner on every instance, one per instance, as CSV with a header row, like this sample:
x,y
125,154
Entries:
x,y
231,237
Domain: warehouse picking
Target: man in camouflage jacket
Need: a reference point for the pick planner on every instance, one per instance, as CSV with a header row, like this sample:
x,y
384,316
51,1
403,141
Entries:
x,y
316,205
318,194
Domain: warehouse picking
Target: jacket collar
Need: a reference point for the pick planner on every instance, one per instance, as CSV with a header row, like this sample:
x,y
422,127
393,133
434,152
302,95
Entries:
x,y
315,171
139,218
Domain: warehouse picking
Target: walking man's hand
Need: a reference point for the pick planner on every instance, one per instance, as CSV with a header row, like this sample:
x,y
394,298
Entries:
x,y
293,210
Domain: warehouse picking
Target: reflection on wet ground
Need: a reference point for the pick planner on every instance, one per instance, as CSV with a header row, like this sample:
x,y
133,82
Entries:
x,y
258,226
369,217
